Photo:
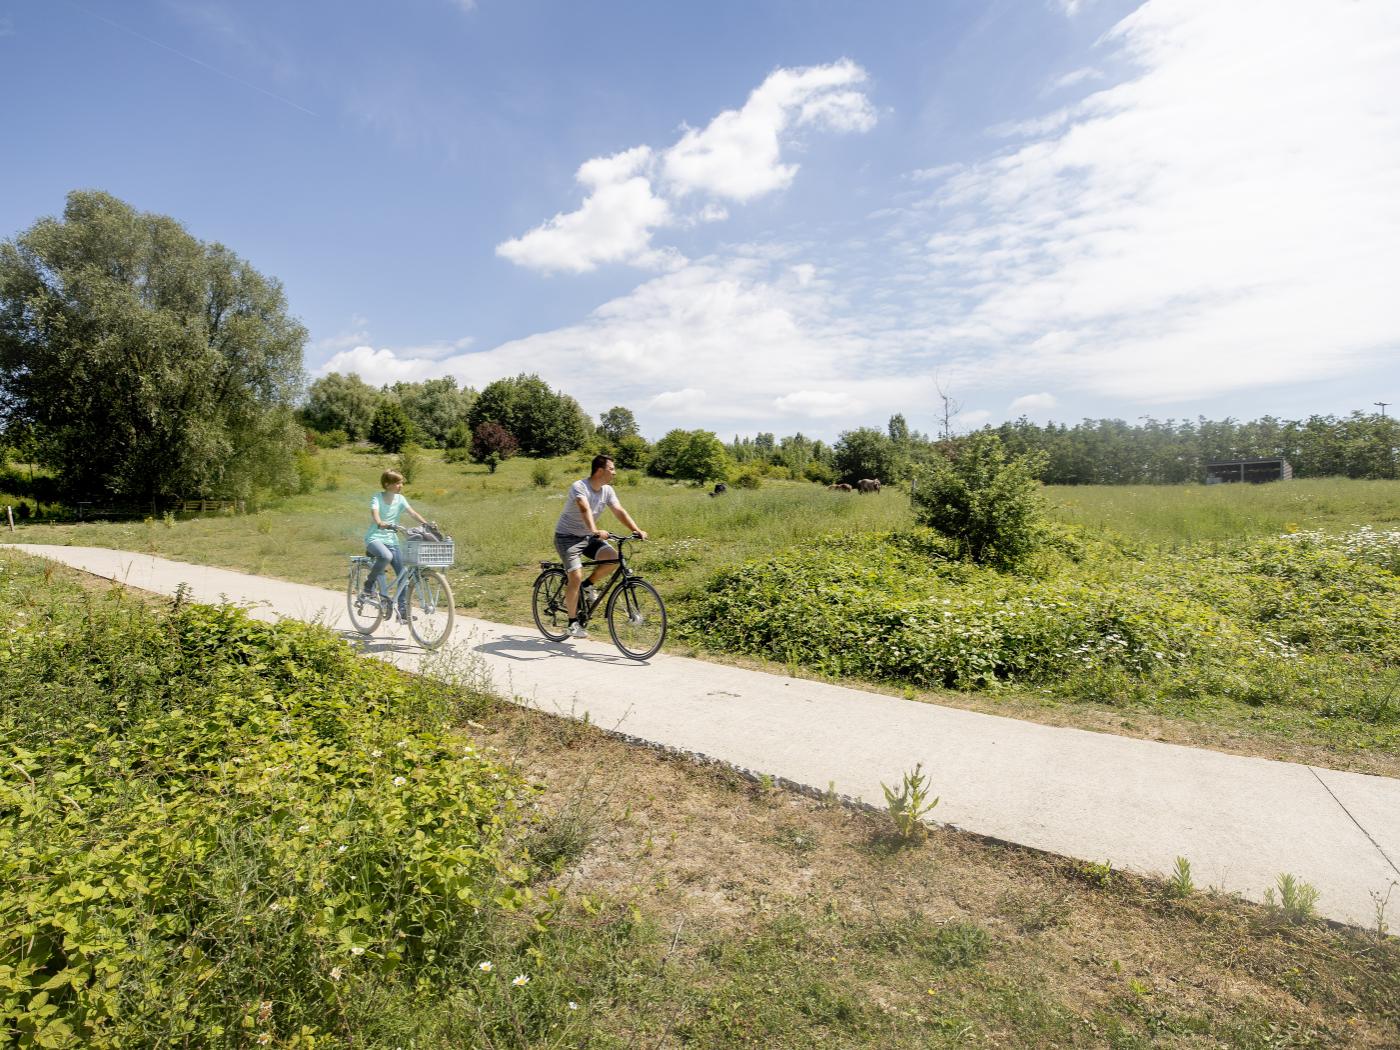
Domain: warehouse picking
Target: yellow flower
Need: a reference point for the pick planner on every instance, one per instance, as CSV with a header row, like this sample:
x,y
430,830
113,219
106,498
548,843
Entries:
x,y
520,981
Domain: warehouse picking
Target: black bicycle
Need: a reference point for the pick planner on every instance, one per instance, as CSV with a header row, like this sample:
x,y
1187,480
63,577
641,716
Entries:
x,y
634,610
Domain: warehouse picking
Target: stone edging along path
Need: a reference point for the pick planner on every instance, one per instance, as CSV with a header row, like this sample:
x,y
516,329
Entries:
x,y
1140,804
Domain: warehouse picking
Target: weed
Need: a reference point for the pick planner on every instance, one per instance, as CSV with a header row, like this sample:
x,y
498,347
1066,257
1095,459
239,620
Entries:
x,y
1180,884
1295,901
1095,873
1381,903
909,804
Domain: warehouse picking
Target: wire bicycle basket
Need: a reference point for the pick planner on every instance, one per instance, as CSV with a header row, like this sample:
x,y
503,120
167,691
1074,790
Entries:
x,y
429,554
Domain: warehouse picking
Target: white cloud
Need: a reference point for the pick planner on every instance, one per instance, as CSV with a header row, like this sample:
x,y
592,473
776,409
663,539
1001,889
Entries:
x,y
736,157
1225,218
677,402
613,225
817,404
1031,403
1076,76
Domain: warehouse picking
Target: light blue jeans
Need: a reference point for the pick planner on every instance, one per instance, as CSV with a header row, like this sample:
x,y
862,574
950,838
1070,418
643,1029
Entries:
x,y
384,556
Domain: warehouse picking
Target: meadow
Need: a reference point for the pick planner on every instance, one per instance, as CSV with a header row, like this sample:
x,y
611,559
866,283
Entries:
x,y
1138,578
217,832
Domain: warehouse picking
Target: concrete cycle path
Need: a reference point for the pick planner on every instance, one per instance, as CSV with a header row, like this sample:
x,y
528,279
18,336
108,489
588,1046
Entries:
x,y
1137,803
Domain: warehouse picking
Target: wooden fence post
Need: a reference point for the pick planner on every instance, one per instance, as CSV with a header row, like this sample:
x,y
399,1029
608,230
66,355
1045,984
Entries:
x,y
10,514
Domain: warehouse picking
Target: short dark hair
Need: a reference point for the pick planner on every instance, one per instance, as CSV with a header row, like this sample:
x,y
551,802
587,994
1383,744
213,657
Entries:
x,y
599,462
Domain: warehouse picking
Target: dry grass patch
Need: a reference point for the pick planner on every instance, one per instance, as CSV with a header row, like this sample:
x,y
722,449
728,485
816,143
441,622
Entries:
x,y
785,920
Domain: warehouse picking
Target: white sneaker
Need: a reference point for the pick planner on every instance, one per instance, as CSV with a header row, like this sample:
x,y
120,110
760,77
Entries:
x,y
577,630
590,594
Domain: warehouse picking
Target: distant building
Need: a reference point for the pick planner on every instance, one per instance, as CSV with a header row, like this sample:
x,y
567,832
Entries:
x,y
1255,471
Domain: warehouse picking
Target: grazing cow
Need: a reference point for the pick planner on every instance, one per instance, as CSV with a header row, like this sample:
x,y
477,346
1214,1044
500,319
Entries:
x,y
720,490
865,485
841,487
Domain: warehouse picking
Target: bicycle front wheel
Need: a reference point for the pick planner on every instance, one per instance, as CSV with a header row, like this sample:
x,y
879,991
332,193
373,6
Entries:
x,y
637,619
430,609
365,609
551,615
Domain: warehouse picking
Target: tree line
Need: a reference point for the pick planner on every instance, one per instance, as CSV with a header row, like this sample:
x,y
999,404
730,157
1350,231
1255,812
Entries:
x,y
138,363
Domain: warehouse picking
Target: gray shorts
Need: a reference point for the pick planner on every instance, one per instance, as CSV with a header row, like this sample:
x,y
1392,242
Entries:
x,y
573,549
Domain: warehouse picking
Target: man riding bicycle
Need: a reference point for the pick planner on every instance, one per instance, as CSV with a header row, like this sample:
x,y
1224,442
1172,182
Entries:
x,y
577,535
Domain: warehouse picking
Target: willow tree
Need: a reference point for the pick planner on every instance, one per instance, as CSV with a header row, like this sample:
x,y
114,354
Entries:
x,y
148,364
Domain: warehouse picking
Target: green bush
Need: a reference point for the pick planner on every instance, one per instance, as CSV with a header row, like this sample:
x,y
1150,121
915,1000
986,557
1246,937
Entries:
x,y
819,472
329,439
1295,624
390,429
748,478
410,462
988,502
540,475
212,826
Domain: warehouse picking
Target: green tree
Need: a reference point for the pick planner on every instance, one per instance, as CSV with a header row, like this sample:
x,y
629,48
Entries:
x,y
390,429
631,451
341,402
866,453
986,501
149,364
690,455
434,406
617,423
544,422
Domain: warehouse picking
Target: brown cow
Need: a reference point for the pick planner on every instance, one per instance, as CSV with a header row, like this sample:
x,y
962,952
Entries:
x,y
842,487
865,485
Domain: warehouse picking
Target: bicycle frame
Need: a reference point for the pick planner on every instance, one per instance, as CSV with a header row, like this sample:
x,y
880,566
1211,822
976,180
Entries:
x,y
622,572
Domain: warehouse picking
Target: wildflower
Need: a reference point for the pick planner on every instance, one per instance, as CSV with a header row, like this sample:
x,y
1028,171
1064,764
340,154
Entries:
x,y
521,981
573,1005
337,973
485,967
355,949
399,782
303,829
265,1039
342,848
265,1011
376,753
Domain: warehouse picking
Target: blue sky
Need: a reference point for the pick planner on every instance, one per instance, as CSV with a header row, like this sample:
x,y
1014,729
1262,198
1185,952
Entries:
x,y
763,215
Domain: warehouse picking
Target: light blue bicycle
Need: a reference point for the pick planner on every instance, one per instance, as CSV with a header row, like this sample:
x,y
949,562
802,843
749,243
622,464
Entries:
x,y
430,609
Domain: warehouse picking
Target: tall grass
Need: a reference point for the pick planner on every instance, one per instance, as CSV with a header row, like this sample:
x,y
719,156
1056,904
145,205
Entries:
x,y
1177,516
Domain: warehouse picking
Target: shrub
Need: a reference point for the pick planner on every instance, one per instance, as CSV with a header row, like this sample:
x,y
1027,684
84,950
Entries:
x,y
748,478
308,472
390,429
540,476
821,473
491,444
989,503
213,825
329,438
410,461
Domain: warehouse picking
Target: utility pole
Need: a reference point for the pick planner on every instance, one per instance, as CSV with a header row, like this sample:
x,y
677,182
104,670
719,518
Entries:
x,y
1381,405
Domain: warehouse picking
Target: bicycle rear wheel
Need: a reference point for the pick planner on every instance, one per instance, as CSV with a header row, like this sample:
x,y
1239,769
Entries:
x,y
637,619
365,609
430,610
551,616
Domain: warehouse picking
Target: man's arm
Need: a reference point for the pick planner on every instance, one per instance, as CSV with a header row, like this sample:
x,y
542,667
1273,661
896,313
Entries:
x,y
626,519
587,513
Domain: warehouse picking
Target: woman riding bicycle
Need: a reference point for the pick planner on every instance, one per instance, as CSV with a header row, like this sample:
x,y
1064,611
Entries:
x,y
382,540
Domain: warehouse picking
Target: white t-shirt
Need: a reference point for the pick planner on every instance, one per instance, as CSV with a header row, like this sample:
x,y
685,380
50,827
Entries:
x,y
571,522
